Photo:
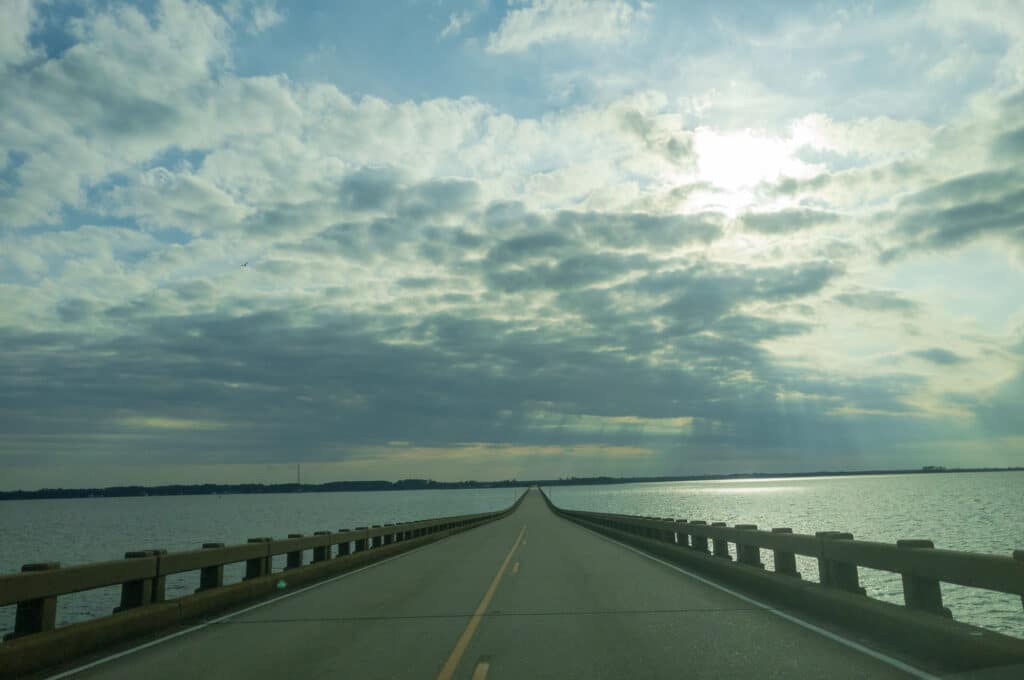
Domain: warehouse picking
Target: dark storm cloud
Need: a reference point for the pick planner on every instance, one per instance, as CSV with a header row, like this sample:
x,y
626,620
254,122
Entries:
x,y
430,200
74,310
958,211
677,147
1009,145
369,189
939,356
311,385
878,301
790,186
632,230
787,221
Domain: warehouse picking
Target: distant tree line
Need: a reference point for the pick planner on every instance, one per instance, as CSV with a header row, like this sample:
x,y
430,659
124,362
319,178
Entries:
x,y
423,484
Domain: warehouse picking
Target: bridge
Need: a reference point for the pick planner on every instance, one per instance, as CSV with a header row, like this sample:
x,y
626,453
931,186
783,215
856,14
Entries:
x,y
534,591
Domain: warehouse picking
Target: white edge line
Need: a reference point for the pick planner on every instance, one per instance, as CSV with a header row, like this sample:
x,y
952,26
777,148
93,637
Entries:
x,y
204,624
896,663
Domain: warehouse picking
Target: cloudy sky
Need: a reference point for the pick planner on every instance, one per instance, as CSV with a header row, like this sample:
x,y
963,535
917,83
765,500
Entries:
x,y
488,239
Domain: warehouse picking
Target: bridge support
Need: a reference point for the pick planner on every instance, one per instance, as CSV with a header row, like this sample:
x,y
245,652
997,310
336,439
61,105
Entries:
x,y
785,562
144,591
323,552
345,545
35,616
699,543
295,556
682,537
211,577
749,555
720,546
257,566
835,574
1019,556
922,593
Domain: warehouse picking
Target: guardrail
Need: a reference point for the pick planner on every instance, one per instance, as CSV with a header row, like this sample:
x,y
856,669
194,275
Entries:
x,y
142,574
921,566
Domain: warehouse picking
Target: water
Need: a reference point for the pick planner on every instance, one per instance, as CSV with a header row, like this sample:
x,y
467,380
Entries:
x,y
78,531
979,512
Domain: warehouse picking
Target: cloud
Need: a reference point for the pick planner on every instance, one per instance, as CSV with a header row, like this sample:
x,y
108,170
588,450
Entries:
x,y
939,356
477,276
456,22
16,21
789,220
540,22
878,301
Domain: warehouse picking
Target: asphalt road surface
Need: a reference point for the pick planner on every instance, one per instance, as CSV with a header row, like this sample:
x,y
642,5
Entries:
x,y
529,596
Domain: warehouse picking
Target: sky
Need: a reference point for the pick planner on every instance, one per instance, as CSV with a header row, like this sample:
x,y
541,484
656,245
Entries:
x,y
525,239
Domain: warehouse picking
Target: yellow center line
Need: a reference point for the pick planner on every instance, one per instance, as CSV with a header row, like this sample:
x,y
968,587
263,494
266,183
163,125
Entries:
x,y
474,622
480,672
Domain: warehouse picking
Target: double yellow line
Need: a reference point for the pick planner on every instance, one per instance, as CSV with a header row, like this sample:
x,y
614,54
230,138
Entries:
x,y
448,670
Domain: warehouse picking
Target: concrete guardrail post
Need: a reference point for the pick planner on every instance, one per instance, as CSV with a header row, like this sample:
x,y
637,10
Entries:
x,y
682,537
322,552
720,546
922,593
699,543
258,566
344,545
833,574
35,616
1019,556
295,556
376,541
143,591
785,562
747,553
668,535
389,538
361,543
212,576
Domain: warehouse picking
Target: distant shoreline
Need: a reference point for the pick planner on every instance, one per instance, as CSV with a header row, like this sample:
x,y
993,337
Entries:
x,y
429,484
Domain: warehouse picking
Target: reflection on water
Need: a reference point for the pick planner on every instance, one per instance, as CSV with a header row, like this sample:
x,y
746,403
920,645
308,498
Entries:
x,y
977,512
741,489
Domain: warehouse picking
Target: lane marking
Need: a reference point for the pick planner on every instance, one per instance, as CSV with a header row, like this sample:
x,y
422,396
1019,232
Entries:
x,y
515,568
895,663
448,670
206,624
480,672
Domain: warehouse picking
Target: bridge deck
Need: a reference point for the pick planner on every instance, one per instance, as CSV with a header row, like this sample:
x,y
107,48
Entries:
x,y
568,604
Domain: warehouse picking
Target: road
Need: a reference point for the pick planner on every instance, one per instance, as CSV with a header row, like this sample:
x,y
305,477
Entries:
x,y
529,596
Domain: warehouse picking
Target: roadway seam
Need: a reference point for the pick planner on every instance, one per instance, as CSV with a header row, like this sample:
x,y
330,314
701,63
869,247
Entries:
x,y
895,663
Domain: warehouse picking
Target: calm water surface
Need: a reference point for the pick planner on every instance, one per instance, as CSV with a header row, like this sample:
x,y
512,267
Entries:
x,y
981,512
77,531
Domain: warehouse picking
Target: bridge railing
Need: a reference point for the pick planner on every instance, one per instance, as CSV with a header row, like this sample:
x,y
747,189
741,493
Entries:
x,y
921,566
142,574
